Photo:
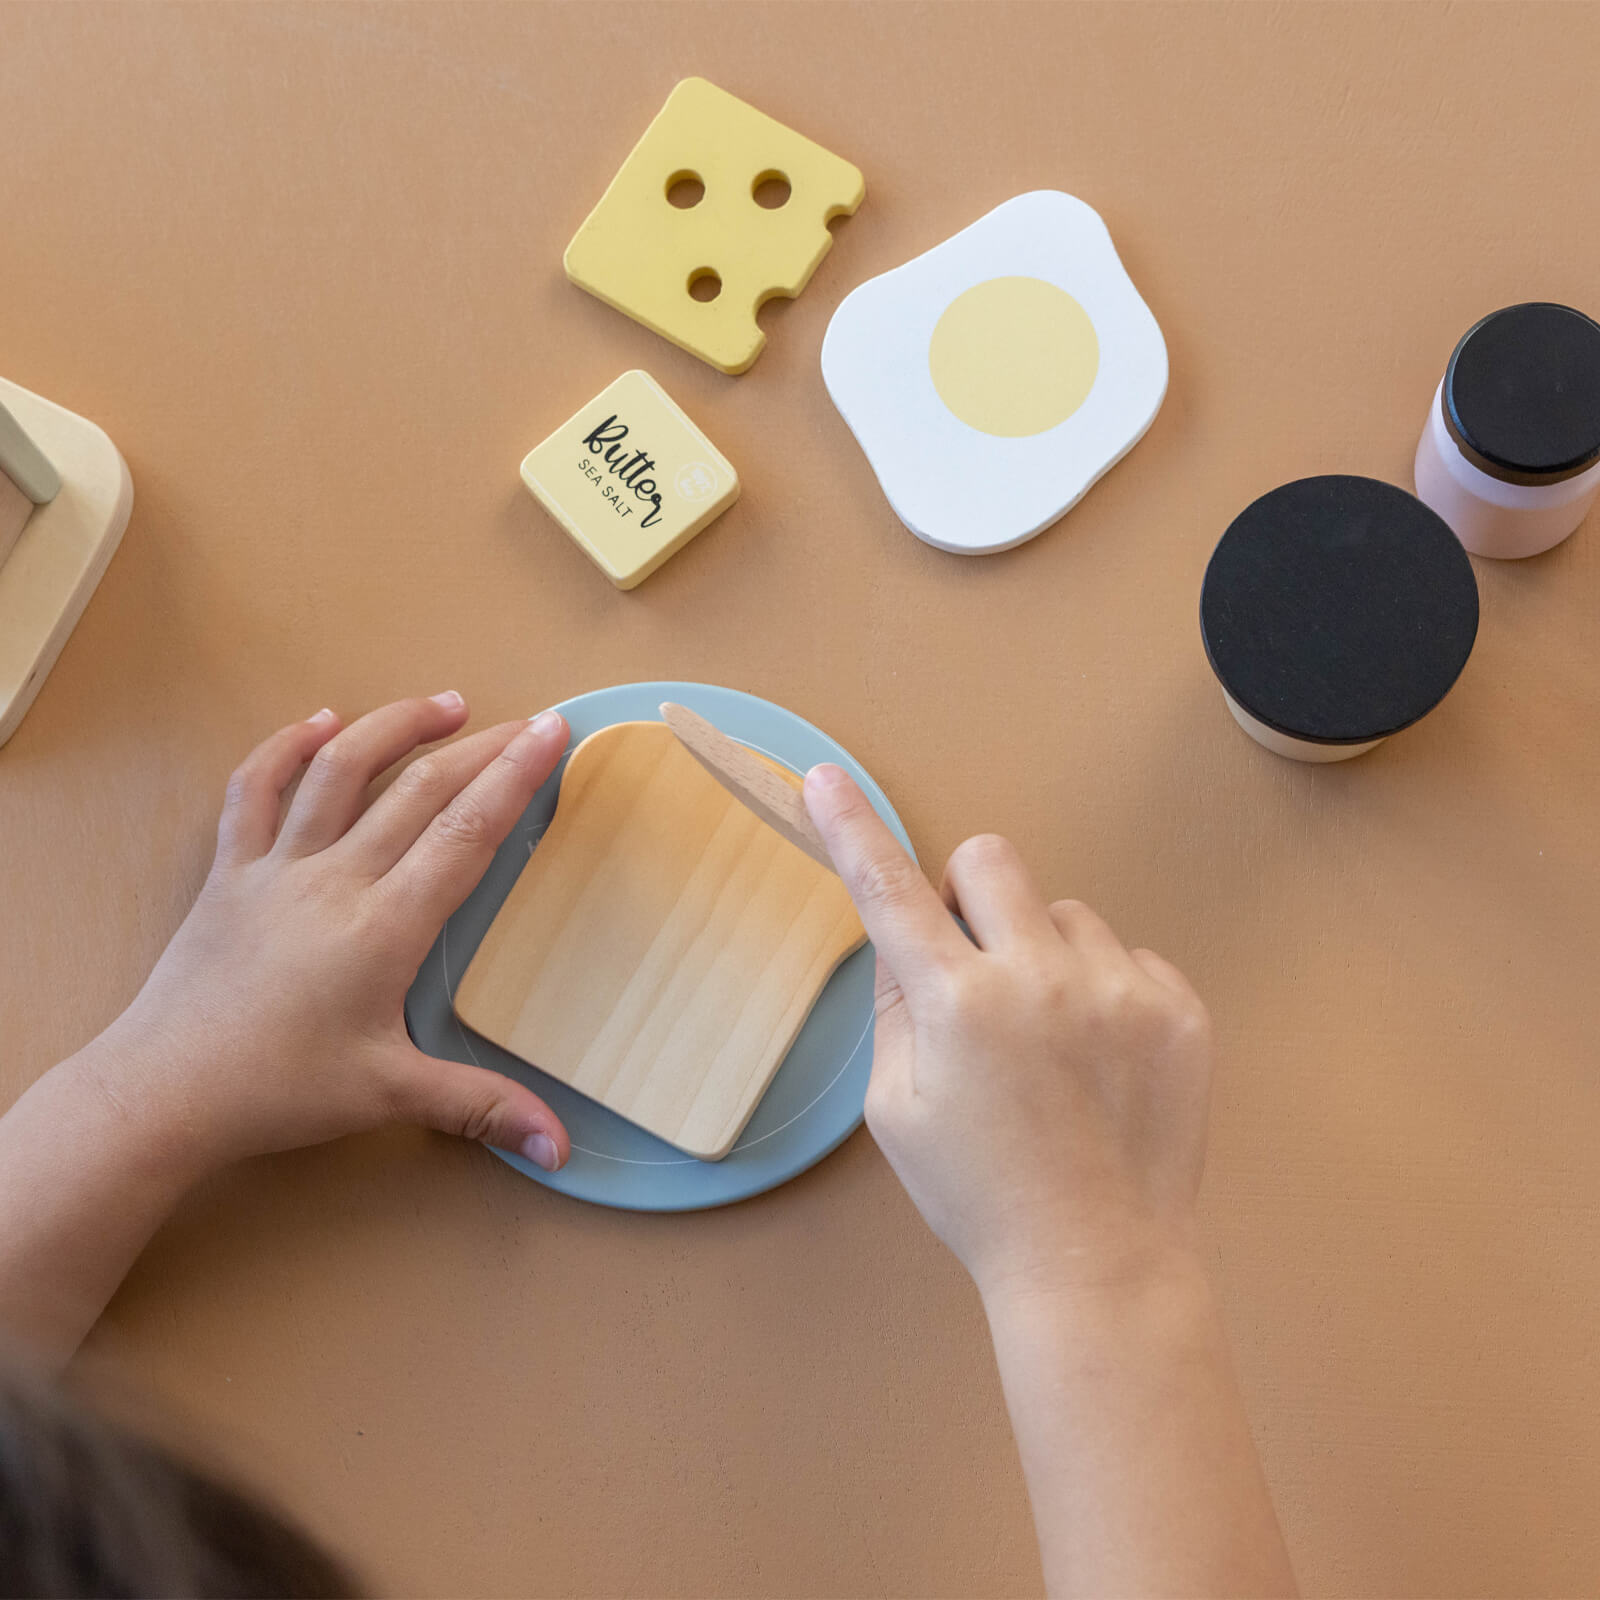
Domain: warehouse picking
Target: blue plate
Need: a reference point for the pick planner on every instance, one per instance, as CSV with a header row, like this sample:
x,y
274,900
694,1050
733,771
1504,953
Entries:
x,y
815,1100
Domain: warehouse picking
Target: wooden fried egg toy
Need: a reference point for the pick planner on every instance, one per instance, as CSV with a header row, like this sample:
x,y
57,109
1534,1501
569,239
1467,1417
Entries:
x,y
993,379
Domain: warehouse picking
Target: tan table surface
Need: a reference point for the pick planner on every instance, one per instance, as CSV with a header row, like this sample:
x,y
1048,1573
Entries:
x,y
303,263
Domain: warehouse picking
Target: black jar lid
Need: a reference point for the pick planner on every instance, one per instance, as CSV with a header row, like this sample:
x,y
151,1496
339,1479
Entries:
x,y
1338,610
1522,393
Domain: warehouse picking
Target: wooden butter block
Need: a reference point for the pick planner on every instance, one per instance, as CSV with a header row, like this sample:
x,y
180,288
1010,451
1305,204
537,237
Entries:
x,y
631,478
663,946
697,273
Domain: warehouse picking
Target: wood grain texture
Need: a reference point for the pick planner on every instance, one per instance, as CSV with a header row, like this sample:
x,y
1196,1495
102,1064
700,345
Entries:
x,y
663,946
754,781
446,1368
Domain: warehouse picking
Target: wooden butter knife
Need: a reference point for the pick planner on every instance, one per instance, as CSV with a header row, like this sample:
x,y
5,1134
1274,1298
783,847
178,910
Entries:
x,y
772,795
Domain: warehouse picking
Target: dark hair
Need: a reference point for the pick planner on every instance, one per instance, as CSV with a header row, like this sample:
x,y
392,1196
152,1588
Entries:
x,y
88,1508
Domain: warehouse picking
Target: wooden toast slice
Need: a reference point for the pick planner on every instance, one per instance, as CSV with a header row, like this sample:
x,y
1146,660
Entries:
x,y
663,946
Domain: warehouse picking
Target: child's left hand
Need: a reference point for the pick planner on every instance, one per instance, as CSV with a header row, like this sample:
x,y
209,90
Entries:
x,y
275,1017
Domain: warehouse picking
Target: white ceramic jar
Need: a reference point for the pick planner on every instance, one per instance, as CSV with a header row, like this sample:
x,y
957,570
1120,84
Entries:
x,y
1510,455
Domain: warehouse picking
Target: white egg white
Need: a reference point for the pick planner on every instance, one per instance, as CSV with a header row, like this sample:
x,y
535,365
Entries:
x,y
952,485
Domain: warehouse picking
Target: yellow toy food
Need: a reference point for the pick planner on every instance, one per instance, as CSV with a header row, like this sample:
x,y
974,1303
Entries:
x,y
717,209
631,478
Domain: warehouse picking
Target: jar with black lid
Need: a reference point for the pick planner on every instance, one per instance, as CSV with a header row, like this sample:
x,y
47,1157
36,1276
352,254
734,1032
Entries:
x,y
1510,455
1336,611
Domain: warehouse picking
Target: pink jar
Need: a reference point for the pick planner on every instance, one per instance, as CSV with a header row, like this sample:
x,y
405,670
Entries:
x,y
1510,455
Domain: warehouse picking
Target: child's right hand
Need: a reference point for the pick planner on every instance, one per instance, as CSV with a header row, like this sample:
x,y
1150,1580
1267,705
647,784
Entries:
x,y
1042,1093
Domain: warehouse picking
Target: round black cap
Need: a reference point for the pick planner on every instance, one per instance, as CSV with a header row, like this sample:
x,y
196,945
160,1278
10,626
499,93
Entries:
x,y
1522,393
1338,610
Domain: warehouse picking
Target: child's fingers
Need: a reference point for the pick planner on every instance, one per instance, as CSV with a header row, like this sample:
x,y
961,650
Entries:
x,y
438,872
904,918
987,885
474,1103
249,820
1083,928
893,1044
396,819
333,791
1164,973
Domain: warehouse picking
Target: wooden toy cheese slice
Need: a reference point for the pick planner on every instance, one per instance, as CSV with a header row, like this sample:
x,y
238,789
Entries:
x,y
663,946
698,272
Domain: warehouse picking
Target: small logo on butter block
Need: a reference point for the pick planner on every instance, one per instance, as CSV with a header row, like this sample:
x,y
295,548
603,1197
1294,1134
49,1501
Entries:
x,y
696,481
